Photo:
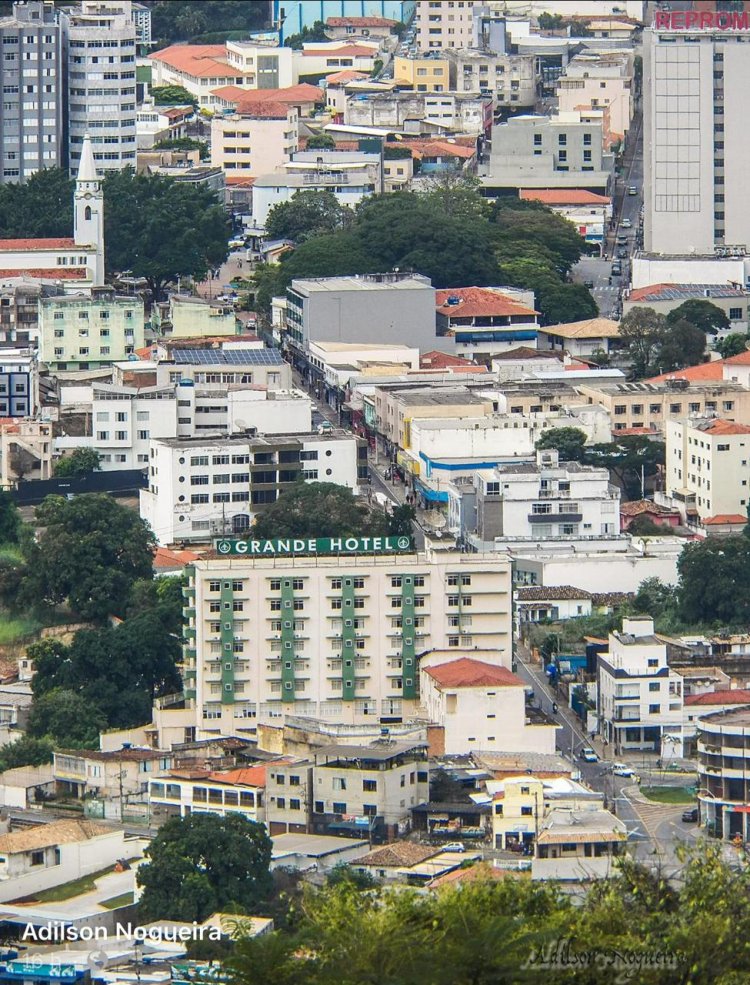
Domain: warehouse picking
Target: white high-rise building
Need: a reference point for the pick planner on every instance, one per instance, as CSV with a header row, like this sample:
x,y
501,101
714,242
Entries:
x,y
99,54
696,73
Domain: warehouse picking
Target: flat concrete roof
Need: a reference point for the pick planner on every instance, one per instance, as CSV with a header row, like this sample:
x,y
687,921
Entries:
x,y
313,845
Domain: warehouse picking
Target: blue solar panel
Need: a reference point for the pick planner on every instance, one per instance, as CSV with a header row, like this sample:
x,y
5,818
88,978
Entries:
x,y
232,357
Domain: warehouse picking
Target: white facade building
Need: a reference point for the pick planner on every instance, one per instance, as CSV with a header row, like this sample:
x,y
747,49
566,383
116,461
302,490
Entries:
x,y
99,41
203,487
482,707
707,466
598,81
334,636
640,697
695,137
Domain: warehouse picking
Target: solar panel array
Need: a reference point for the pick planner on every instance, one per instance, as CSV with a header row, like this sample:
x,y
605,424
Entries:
x,y
223,357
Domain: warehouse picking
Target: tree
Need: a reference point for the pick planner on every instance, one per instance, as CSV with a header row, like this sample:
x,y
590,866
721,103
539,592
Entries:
x,y
682,345
569,442
644,526
731,345
714,582
90,552
400,521
321,141
162,229
643,331
705,315
566,303
631,458
162,595
317,509
185,143
315,33
66,719
455,194
10,519
181,20
25,751
79,462
203,863
172,95
535,225
41,206
654,597
549,22
306,214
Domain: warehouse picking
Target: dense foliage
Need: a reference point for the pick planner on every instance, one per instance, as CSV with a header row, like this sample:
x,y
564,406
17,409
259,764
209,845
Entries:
x,y
183,20
318,509
204,863
635,927
659,343
79,462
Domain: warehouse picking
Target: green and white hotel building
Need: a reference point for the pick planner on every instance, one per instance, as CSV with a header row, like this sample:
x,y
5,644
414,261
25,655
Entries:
x,y
333,629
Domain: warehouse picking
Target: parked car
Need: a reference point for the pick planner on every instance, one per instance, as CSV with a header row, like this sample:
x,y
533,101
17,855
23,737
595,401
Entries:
x,y
588,755
690,815
453,846
625,224
616,268
622,252
632,190
620,769
588,283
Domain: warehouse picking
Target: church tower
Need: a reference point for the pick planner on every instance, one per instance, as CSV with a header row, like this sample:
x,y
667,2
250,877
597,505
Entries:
x,y
88,223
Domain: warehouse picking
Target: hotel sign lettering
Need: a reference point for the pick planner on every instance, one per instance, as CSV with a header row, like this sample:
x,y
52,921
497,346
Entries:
x,y
701,20
314,545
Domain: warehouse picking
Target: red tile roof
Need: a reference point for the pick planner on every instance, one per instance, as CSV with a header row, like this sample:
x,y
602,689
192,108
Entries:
x,y
344,49
13,245
479,301
240,182
360,22
435,148
724,518
738,697
640,506
264,110
199,60
246,776
302,93
720,427
467,672
741,359
347,75
441,360
49,273
165,558
563,196
628,431
703,371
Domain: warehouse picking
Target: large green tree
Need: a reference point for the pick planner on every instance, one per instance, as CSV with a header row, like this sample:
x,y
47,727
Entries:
x,y
631,458
714,582
10,519
569,442
172,95
306,214
203,863
89,552
702,313
181,20
731,345
41,206
162,229
79,462
67,719
318,509
642,330
683,345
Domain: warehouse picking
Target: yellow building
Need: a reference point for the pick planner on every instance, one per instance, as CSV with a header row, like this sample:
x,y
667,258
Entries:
x,y
520,805
422,74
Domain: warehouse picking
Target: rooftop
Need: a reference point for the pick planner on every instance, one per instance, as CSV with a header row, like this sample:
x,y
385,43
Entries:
x,y
199,60
713,370
133,755
562,825
315,846
741,359
525,352
55,833
735,697
362,282
638,507
245,99
724,518
400,853
731,718
684,292
592,328
378,753
14,245
563,196
440,398
360,22
543,594
436,148
334,50
467,301
467,672
720,428
348,75
228,357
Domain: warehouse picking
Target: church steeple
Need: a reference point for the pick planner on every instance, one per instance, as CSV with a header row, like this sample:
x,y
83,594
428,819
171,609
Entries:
x,y
88,226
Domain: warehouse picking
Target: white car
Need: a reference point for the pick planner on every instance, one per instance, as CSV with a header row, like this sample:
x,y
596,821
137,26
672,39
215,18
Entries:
x,y
588,755
626,224
620,769
454,846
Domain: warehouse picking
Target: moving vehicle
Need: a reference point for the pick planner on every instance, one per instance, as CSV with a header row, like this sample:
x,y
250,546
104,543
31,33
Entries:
x,y
588,283
690,815
620,769
453,846
626,224
632,190
622,252
588,755
616,268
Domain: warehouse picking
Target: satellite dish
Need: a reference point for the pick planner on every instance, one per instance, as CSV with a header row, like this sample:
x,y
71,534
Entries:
x,y
434,519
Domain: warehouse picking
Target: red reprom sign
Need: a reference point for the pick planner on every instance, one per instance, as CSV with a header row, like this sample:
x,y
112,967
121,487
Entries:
x,y
702,20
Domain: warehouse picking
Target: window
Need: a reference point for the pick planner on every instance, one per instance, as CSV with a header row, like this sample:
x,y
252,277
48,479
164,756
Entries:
x,y
37,858
338,807
653,662
735,314
654,709
654,686
369,786
339,783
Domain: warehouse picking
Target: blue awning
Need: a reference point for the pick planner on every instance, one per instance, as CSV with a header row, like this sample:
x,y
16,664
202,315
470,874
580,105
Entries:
x,y
431,495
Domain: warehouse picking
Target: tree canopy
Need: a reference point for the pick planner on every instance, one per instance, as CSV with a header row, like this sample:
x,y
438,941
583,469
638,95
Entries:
x,y
79,462
204,863
162,229
10,519
731,345
172,96
714,585
702,313
41,206
318,509
90,552
182,20
569,442
306,214
631,458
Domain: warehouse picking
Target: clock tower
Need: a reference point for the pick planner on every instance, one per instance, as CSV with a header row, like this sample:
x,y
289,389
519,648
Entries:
x,y
88,225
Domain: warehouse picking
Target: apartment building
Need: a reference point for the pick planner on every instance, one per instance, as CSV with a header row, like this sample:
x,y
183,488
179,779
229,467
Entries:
x,y
640,696
560,151
19,383
582,338
141,15
440,24
212,368
590,213
182,792
186,317
520,805
596,81
546,499
25,451
422,112
332,629
204,487
707,466
79,331
484,321
694,145
99,52
344,28
19,311
31,113
361,790
396,407
723,761
203,68
512,79
122,773
256,140
651,405
392,307
426,74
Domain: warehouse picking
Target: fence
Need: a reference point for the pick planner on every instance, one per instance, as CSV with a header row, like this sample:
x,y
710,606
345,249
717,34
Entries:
x,y
117,481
